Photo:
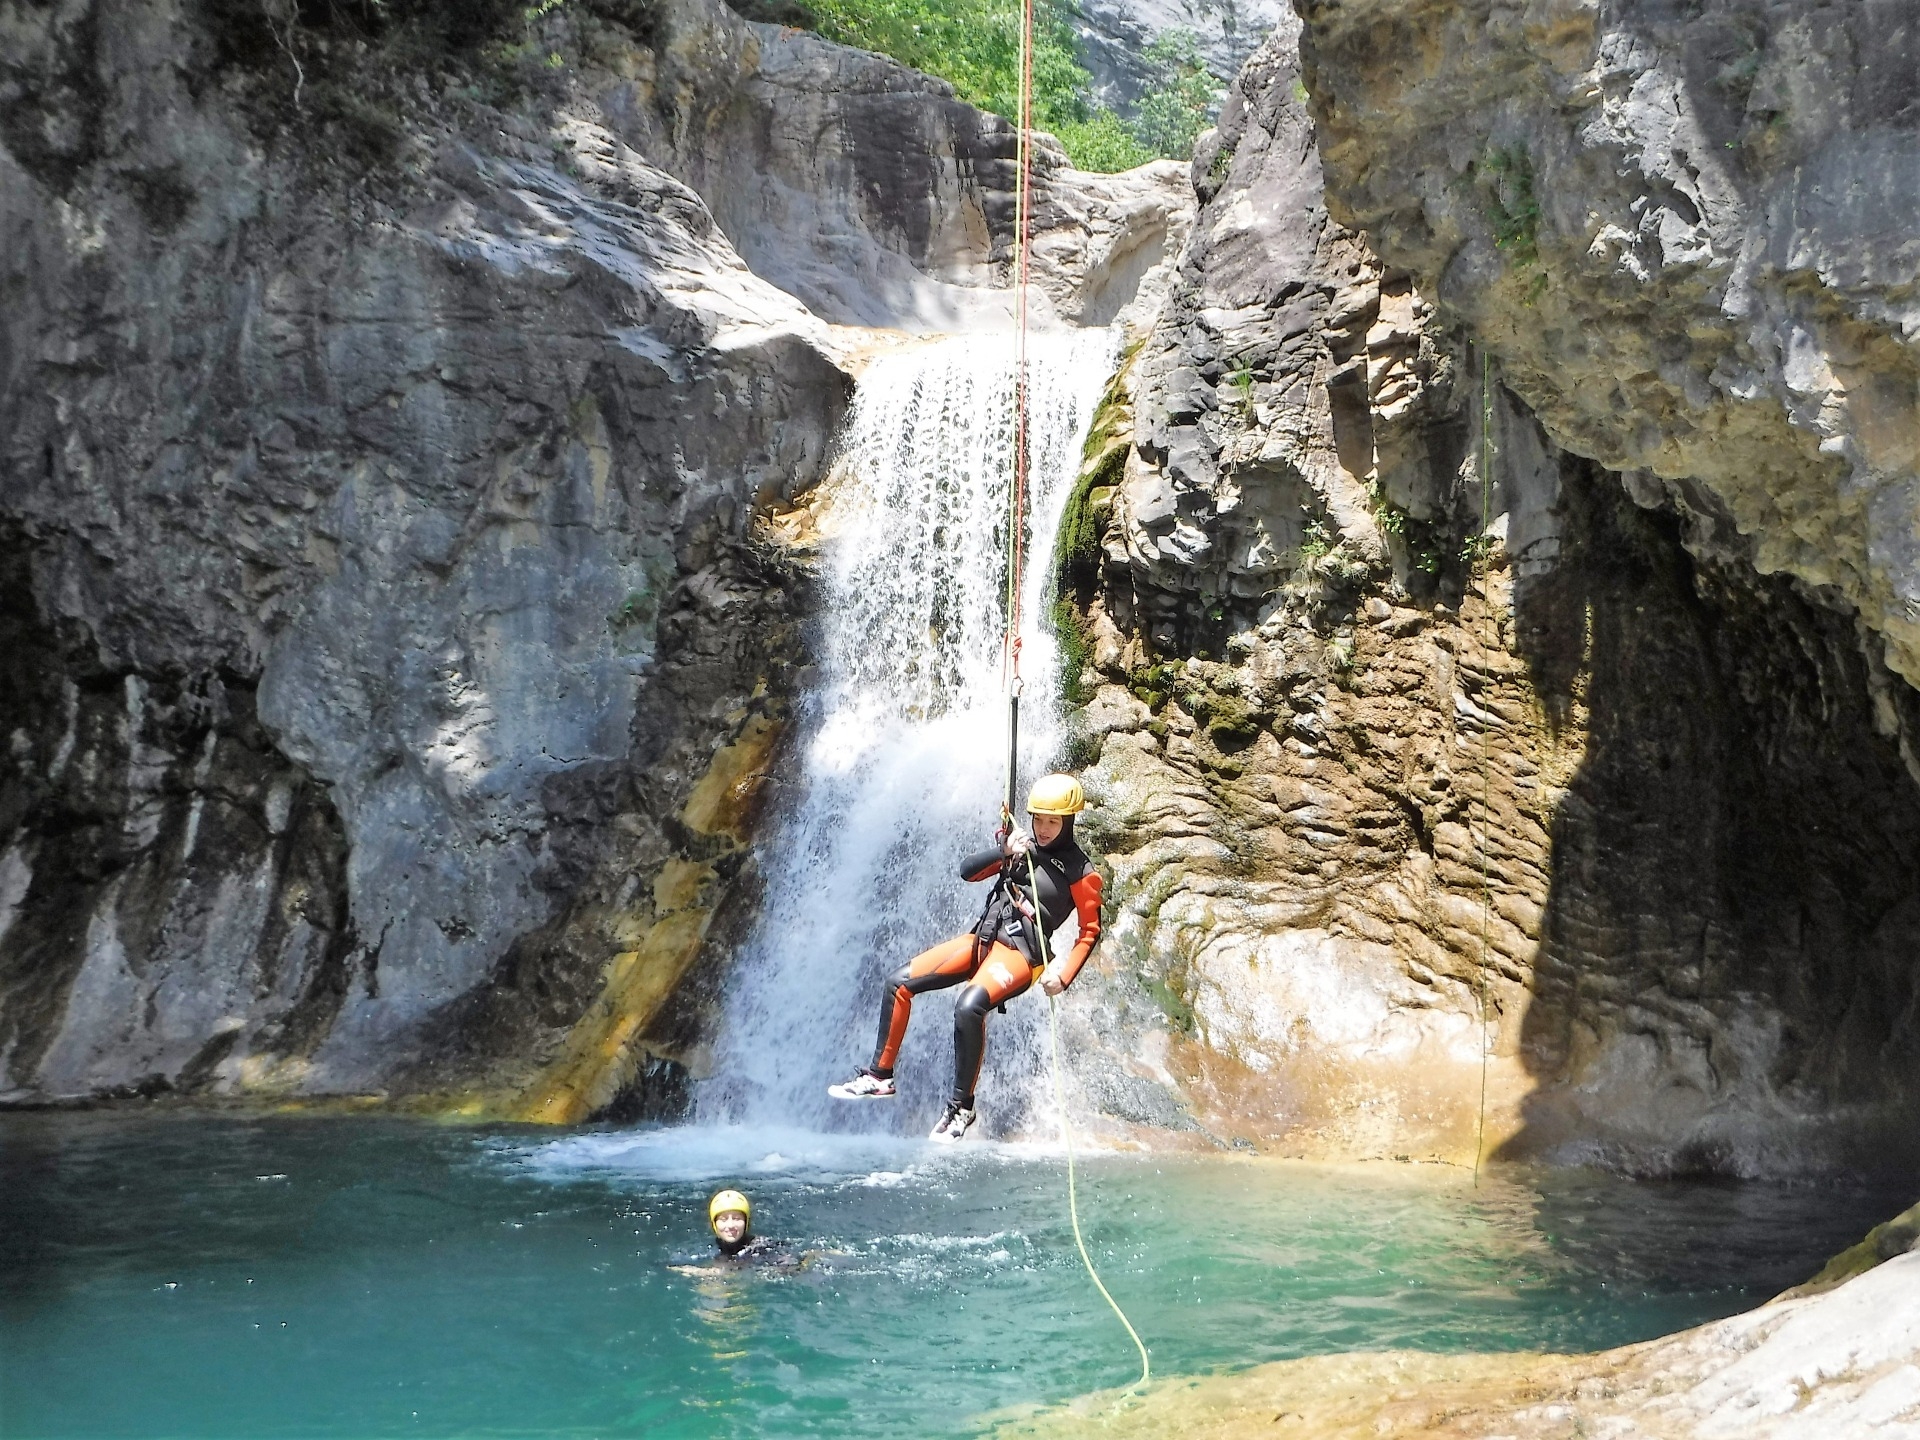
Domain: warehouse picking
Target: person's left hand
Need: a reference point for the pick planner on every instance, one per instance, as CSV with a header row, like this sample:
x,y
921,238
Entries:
x,y
1052,983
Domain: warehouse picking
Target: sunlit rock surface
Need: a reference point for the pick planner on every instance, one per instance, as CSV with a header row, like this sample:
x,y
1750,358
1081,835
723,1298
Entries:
x,y
868,191
1420,740
1114,36
1688,236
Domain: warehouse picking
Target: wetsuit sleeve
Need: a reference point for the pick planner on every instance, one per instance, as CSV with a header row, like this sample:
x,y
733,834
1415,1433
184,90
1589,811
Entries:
x,y
983,866
1086,906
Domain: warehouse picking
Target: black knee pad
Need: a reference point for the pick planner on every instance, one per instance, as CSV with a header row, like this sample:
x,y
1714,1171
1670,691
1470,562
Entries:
x,y
974,1003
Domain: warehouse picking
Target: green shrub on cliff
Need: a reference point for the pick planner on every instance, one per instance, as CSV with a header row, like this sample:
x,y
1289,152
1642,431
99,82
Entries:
x,y
1180,102
974,45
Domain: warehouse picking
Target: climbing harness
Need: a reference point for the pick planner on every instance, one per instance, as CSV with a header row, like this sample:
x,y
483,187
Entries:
x,y
1486,763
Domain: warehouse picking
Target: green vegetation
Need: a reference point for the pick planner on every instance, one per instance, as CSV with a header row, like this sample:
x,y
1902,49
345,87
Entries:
x,y
1181,98
1387,516
1231,724
1512,209
637,609
1151,684
1169,993
1076,546
1419,537
1070,632
975,46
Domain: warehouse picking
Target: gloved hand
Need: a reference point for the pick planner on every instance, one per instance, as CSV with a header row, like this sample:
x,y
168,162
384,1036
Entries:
x,y
1052,983
1018,842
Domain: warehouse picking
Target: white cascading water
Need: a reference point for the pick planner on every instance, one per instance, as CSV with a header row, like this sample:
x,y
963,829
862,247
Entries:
x,y
901,759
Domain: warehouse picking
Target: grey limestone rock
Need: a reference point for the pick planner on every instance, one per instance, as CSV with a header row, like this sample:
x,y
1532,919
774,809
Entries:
x,y
1688,235
869,192
1422,737
349,527
1114,33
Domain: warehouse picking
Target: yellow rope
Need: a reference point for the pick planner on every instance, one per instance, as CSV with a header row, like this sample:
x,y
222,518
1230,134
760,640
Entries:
x,y
1066,1132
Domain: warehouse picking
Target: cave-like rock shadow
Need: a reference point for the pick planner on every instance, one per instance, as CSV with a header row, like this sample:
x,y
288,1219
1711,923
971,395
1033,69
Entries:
x,y
1726,979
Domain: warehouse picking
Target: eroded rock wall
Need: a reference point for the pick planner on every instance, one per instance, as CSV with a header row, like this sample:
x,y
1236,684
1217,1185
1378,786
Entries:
x,y
1422,745
381,577
861,187
1685,231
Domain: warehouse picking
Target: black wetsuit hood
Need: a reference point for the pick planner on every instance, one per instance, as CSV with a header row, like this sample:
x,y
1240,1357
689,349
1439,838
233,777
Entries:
x,y
1062,841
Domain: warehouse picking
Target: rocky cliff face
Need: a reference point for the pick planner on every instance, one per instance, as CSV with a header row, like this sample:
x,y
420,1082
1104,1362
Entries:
x,y
1421,741
869,192
1686,233
1114,34
378,552
394,656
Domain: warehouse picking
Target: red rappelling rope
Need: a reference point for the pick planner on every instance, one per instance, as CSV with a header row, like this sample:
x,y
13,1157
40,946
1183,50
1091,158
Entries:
x,y
1017,493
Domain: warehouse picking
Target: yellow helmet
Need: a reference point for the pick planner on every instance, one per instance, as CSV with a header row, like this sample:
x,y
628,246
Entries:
x,y
729,1200
1056,795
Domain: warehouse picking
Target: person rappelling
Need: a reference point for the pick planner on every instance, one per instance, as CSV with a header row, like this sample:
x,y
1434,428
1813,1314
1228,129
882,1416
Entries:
x,y
1040,878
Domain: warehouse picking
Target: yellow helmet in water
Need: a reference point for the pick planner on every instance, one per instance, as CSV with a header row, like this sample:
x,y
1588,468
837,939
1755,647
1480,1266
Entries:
x,y
1056,795
729,1200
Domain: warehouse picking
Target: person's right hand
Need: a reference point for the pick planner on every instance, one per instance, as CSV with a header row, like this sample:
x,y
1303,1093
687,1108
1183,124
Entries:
x,y
1018,842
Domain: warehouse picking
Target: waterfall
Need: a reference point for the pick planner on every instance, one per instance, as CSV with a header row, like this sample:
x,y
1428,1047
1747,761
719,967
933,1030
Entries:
x,y
899,763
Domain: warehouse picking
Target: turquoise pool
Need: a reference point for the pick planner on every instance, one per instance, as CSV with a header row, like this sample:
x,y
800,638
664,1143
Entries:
x,y
185,1275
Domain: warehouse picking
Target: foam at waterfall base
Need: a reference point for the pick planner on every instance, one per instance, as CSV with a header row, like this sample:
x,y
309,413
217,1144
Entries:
x,y
773,1155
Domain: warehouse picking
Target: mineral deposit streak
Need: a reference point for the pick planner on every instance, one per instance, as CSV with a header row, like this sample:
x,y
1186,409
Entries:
x,y
900,760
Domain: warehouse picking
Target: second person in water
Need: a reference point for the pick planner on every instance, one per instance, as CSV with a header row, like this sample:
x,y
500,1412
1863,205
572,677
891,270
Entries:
x,y
1039,880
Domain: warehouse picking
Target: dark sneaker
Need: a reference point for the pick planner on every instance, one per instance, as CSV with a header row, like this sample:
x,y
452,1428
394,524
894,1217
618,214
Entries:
x,y
865,1085
955,1121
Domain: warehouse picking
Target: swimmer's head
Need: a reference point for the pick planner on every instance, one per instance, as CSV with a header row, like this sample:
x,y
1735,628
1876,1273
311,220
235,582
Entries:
x,y
731,1215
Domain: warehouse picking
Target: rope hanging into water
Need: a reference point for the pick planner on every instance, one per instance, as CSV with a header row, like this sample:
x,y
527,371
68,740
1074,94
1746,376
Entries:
x,y
1066,1134
1486,757
1016,546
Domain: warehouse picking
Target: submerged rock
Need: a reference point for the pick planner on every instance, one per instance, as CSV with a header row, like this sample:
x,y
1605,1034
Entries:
x,y
1837,1365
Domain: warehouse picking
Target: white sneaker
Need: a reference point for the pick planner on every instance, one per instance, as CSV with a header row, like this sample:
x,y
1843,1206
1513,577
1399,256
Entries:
x,y
955,1121
865,1085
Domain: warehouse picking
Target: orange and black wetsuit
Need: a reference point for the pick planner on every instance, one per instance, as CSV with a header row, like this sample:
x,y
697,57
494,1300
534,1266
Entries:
x,y
1001,954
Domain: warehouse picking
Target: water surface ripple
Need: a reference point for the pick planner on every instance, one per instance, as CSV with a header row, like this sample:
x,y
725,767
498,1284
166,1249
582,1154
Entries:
x,y
187,1276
